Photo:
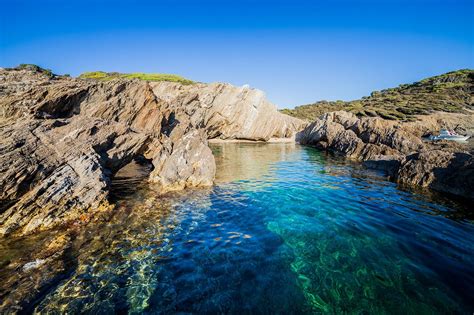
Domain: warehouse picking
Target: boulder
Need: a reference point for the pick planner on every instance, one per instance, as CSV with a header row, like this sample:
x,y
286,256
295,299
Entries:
x,y
228,112
445,171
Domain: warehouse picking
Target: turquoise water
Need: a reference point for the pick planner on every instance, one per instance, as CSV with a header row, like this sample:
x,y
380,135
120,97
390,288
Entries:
x,y
286,230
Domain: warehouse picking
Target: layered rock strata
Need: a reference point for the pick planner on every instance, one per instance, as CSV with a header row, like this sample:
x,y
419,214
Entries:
x,y
63,139
397,148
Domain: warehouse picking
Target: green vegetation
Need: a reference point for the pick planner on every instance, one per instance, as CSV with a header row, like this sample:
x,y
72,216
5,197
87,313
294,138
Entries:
x,y
36,68
106,76
449,92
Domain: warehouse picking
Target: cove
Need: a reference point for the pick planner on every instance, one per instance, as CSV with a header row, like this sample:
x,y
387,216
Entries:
x,y
286,229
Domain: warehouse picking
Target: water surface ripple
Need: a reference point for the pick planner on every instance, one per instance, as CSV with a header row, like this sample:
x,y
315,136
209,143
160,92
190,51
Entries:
x,y
286,230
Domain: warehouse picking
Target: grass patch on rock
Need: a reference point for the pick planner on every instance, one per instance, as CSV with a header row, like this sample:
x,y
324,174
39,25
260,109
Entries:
x,y
154,77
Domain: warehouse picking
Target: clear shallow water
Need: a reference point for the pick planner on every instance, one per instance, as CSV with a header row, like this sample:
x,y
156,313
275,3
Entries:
x,y
285,230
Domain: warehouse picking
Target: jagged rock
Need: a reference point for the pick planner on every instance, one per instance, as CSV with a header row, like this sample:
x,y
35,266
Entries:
x,y
190,164
229,112
62,139
395,148
440,170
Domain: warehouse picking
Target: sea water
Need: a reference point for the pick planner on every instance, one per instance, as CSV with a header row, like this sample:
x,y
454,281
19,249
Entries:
x,y
286,229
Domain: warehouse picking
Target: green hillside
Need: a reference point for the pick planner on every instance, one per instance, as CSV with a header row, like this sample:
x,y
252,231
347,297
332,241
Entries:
x,y
449,92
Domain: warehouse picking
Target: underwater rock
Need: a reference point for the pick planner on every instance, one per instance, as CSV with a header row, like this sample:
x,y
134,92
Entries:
x,y
32,271
33,264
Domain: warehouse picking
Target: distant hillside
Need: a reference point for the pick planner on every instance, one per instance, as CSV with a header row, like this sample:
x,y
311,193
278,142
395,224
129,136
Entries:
x,y
449,92
34,68
105,76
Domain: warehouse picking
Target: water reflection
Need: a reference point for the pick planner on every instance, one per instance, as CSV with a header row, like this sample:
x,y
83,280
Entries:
x,y
248,161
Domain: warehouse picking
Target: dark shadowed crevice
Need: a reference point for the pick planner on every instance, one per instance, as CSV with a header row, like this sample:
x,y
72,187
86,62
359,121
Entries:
x,y
130,178
168,124
64,106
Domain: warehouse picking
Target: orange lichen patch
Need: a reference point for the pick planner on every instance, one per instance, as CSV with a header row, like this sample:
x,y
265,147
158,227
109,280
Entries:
x,y
84,218
92,214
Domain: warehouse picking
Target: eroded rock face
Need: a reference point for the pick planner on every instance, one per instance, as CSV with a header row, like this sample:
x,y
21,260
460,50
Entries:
x,y
189,164
229,112
396,148
62,139
441,170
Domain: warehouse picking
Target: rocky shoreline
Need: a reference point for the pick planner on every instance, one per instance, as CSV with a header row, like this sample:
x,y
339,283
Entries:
x,y
398,149
63,139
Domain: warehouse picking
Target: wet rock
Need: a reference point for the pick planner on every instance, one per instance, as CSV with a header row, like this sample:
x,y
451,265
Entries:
x,y
451,172
388,163
396,148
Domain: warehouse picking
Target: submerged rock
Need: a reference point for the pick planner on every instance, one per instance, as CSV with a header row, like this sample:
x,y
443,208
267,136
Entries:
x,y
63,139
396,148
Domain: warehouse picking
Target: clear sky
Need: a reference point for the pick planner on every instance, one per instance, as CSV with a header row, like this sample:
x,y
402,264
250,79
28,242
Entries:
x,y
296,51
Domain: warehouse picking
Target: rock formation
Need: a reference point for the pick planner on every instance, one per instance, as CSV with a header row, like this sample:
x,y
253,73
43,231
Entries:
x,y
397,148
63,139
229,112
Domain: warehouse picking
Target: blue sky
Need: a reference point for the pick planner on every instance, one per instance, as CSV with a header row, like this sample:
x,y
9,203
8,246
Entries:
x,y
296,51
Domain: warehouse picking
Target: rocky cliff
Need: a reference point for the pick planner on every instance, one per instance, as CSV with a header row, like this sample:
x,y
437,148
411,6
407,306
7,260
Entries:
x,y
63,139
397,148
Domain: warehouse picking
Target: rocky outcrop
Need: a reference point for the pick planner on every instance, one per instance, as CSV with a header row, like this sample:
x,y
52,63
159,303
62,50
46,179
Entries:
x,y
185,165
63,139
228,112
395,147
441,170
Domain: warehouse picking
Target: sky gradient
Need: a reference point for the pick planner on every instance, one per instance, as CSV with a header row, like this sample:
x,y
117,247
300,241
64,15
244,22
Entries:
x,y
296,51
